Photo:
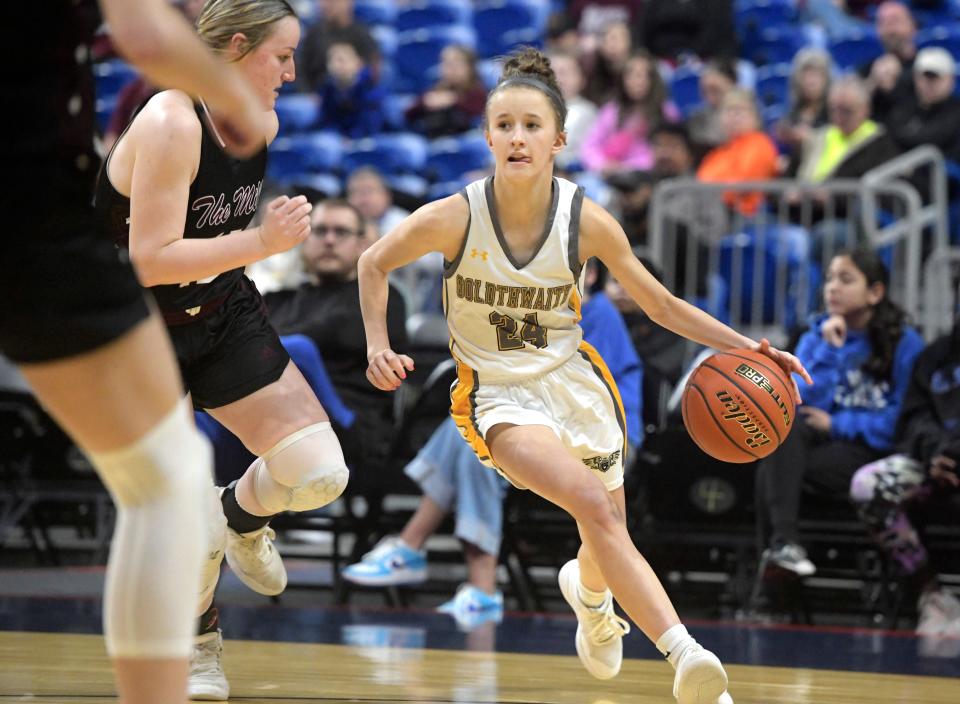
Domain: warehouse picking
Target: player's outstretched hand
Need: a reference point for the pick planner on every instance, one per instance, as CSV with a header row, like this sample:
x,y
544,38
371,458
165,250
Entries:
x,y
789,363
286,223
387,369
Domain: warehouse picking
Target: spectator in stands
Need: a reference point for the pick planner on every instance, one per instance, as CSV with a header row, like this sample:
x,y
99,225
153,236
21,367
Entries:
x,y
604,65
454,480
810,76
688,214
619,138
890,76
716,80
832,17
748,154
849,146
859,353
932,114
326,309
922,474
370,194
581,113
675,31
419,280
350,98
455,104
337,23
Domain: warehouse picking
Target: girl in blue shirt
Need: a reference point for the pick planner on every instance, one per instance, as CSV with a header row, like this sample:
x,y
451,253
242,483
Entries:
x,y
859,353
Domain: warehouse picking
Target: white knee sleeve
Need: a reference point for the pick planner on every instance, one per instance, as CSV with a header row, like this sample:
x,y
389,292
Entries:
x,y
303,471
159,484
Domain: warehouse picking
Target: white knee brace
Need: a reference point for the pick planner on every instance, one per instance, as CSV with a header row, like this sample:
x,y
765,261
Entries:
x,y
159,484
303,471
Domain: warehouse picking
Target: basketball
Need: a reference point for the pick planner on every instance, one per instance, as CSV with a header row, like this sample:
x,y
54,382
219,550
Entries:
x,y
738,406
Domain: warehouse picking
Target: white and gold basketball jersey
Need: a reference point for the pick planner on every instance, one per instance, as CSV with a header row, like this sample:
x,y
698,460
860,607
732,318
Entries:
x,y
511,319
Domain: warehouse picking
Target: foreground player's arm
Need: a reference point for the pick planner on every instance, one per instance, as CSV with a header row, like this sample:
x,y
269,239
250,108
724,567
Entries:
x,y
167,138
157,39
436,227
602,237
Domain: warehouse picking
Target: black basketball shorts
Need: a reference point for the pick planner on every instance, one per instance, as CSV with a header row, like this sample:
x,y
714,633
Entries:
x,y
64,290
231,352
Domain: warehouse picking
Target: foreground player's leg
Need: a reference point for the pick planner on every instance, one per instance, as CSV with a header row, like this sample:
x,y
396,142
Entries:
x,y
121,404
534,456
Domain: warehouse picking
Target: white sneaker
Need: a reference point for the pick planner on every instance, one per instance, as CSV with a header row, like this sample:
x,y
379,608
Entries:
x,y
207,681
600,631
255,561
939,614
700,678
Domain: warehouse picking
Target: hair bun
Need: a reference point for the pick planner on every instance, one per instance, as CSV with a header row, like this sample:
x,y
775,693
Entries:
x,y
529,61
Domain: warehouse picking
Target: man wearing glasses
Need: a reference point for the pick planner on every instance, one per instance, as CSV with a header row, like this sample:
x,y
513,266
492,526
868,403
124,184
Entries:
x,y
326,309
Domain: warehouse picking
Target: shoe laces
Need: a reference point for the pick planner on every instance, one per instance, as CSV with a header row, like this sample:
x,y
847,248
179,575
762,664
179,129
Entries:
x,y
260,544
205,659
381,550
605,624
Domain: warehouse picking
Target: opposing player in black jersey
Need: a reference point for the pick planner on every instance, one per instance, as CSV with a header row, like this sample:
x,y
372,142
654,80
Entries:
x,y
183,205
75,320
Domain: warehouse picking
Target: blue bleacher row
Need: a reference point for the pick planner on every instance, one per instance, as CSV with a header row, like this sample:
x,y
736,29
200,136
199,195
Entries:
x,y
412,36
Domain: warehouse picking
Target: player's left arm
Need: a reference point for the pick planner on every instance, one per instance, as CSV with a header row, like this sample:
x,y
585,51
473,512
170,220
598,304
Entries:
x,y
601,236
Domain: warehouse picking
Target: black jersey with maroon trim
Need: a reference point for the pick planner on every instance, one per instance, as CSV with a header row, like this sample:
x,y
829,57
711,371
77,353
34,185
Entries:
x,y
223,198
48,97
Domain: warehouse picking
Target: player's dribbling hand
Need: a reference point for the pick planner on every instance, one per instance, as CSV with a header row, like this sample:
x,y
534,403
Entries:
x,y
286,223
789,363
387,369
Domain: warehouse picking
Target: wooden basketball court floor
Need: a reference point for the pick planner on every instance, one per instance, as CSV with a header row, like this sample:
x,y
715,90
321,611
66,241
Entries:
x,y
51,651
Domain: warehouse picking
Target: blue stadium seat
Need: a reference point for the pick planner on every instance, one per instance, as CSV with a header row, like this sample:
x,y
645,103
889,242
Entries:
x,y
774,45
372,12
450,158
489,70
297,112
751,17
386,38
946,37
685,89
788,244
328,184
395,106
445,188
311,152
418,51
419,14
111,76
104,108
394,153
855,50
411,184
773,85
502,25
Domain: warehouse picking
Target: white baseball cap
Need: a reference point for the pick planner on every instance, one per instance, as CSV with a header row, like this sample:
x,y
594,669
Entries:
x,y
935,60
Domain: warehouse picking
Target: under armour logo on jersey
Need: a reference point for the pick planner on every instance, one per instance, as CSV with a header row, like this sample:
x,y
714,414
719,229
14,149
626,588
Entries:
x,y
474,253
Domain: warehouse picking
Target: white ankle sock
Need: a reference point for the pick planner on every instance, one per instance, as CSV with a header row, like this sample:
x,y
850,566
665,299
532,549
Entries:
x,y
674,642
591,598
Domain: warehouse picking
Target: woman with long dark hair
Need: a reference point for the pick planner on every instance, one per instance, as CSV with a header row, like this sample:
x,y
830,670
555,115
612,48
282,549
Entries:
x,y
859,352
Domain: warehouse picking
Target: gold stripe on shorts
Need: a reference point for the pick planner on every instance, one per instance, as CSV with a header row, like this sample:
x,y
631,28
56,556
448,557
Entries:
x,y
600,367
463,406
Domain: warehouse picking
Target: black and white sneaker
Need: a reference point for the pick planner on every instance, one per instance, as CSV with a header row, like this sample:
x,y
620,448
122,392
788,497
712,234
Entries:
x,y
791,557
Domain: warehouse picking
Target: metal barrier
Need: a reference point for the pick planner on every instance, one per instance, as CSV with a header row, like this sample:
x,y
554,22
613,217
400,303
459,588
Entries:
x,y
753,254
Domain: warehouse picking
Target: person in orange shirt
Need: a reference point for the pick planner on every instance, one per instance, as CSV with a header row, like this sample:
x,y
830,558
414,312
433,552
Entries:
x,y
747,155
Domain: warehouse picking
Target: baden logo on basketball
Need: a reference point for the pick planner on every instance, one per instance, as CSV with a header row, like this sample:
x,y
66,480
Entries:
x,y
734,412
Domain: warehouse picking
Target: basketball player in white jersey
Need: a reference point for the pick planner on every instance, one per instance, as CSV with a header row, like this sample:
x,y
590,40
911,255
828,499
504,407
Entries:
x,y
532,399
